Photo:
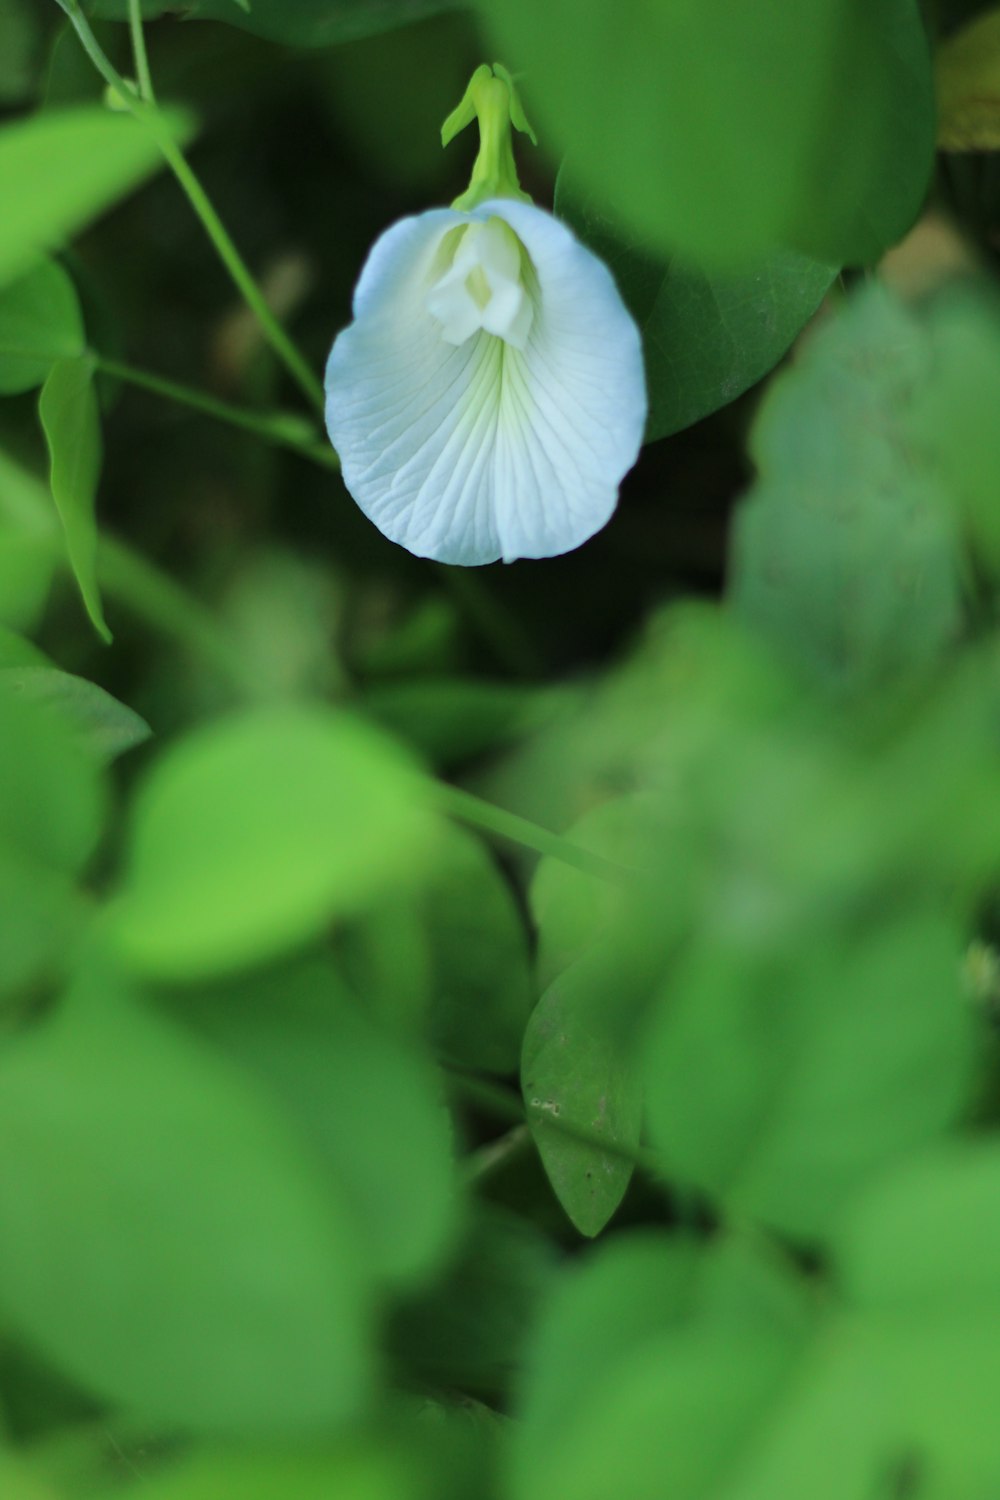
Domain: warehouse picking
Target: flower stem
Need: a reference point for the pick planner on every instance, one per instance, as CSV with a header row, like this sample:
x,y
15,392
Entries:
x,y
273,427
139,52
146,113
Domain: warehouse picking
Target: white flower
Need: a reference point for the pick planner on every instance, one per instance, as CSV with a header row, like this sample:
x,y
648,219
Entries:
x,y
489,396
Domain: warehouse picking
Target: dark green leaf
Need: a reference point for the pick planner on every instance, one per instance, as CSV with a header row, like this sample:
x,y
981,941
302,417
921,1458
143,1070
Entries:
x,y
251,835
782,1085
60,169
40,322
106,726
164,1241
706,335
722,131
72,422
368,1105
578,1073
298,23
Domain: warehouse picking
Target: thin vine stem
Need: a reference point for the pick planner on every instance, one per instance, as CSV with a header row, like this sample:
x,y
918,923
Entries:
x,y
270,427
498,1101
469,808
147,114
142,73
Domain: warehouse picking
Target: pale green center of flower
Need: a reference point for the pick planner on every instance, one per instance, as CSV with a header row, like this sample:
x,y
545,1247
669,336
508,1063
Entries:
x,y
483,288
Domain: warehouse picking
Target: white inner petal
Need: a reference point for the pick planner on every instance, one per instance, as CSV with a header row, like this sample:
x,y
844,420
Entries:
x,y
483,288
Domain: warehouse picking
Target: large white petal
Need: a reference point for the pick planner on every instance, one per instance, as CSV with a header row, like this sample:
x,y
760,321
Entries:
x,y
472,453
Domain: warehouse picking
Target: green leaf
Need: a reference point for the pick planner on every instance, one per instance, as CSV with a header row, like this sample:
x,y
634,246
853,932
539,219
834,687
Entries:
x,y
297,23
573,911
106,726
967,70
707,336
40,322
782,1084
72,422
481,988
251,835
722,132
60,169
368,1105
950,421
902,1377
52,797
164,1240
846,551
577,1071
688,1353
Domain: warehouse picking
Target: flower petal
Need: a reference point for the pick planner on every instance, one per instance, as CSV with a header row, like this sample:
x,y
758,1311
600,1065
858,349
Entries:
x,y
472,452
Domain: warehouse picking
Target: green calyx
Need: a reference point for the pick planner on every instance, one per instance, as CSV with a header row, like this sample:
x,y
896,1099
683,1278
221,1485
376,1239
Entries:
x,y
492,99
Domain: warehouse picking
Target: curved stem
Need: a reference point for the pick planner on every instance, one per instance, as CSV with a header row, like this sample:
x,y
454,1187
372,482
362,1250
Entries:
x,y
139,52
507,825
147,113
269,427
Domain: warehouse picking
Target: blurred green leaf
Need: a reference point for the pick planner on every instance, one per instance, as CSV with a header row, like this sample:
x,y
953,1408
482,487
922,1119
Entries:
x,y
72,421
60,169
577,1071
40,322
967,70
707,336
902,1376
164,1240
573,911
252,834
368,1104
106,726
480,988
52,798
297,23
689,1356
783,1084
951,421
722,132
846,551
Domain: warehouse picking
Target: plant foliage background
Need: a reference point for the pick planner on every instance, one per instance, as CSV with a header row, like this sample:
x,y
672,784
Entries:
x,y
527,1031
